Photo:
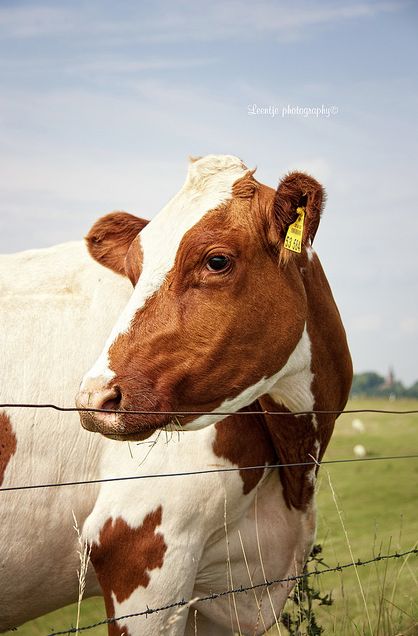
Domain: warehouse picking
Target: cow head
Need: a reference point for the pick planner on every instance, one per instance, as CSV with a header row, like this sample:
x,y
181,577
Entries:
x,y
218,310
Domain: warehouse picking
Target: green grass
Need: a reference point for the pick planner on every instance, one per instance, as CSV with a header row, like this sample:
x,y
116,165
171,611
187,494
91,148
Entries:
x,y
92,611
379,506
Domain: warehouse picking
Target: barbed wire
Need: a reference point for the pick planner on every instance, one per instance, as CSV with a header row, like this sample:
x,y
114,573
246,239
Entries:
x,y
73,409
238,590
206,471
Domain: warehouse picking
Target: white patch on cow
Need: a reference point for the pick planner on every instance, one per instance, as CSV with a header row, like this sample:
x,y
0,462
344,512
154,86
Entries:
x,y
310,252
208,185
100,368
290,386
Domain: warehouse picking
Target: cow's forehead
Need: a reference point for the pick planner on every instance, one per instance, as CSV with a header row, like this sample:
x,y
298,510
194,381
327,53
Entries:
x,y
208,185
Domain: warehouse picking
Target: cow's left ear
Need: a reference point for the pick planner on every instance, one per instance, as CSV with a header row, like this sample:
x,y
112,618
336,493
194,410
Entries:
x,y
297,190
111,237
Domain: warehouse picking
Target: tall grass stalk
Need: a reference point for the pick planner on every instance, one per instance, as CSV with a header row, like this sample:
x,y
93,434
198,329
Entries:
x,y
83,551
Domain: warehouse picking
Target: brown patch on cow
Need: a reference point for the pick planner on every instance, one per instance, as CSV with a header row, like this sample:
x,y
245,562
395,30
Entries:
x,y
111,237
245,187
294,441
125,556
245,441
7,443
113,628
294,437
331,363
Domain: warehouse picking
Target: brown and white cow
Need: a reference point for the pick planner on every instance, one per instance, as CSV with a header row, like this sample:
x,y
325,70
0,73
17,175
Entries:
x,y
222,318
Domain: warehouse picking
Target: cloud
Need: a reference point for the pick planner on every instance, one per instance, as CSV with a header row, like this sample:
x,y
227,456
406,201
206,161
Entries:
x,y
128,66
29,21
103,65
197,21
409,325
366,323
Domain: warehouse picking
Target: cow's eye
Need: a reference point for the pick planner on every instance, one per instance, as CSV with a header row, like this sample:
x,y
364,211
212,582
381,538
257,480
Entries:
x,y
218,263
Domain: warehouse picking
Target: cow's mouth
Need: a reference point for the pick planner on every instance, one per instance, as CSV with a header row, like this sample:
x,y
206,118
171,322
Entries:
x,y
123,426
138,436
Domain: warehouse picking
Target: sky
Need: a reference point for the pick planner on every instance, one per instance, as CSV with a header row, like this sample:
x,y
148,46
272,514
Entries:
x,y
101,103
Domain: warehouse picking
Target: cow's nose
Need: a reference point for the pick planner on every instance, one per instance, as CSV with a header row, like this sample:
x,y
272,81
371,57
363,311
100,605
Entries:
x,y
107,398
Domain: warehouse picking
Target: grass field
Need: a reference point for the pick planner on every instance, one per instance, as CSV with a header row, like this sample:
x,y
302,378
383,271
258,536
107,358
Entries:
x,y
378,500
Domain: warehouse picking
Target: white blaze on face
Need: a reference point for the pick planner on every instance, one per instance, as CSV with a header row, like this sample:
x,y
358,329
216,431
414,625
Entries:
x,y
208,184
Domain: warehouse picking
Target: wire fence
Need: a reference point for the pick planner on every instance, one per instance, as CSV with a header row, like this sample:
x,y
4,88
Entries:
x,y
73,409
209,470
238,590
178,414
205,472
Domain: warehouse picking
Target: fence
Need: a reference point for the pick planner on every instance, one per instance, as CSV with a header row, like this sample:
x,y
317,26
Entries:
x,y
238,590
242,589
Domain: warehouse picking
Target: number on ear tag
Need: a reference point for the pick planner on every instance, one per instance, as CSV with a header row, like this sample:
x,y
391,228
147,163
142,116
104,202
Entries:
x,y
294,235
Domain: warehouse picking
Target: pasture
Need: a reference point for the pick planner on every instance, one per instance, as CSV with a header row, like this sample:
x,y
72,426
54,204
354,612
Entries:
x,y
377,501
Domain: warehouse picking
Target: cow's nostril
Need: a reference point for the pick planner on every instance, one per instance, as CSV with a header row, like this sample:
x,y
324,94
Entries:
x,y
113,401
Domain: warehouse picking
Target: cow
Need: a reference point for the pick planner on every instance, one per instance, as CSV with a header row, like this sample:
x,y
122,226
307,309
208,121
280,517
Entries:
x,y
230,313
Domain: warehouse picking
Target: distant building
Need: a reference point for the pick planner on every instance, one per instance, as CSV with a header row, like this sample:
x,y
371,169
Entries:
x,y
389,382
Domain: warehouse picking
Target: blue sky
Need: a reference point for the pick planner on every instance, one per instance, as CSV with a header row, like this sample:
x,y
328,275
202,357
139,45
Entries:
x,y
102,102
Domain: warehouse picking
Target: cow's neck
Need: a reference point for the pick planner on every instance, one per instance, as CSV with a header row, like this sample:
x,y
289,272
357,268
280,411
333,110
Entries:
x,y
296,440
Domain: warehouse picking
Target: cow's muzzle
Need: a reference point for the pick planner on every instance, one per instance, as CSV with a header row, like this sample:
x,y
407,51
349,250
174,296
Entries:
x,y
101,401
98,403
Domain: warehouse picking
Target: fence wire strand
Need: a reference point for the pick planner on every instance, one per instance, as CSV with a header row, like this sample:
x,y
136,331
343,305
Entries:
x,y
209,470
73,409
206,472
237,590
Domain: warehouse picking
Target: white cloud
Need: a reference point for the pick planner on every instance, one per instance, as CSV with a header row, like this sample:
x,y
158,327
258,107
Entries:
x,y
197,21
366,323
409,325
29,21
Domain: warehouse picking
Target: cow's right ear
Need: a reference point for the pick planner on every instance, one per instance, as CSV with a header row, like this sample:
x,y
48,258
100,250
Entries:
x,y
111,237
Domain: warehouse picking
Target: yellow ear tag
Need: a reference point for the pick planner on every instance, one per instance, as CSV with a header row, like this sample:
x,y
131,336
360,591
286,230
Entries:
x,y
293,240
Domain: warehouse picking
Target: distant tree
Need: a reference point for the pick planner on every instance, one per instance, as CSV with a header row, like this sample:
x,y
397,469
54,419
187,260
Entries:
x,y
397,389
367,383
371,384
412,392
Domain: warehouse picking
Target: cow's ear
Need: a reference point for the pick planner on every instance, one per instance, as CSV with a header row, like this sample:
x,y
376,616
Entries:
x,y
110,239
297,190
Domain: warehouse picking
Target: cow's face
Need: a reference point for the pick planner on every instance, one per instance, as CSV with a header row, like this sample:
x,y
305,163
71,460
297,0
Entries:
x,y
218,306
